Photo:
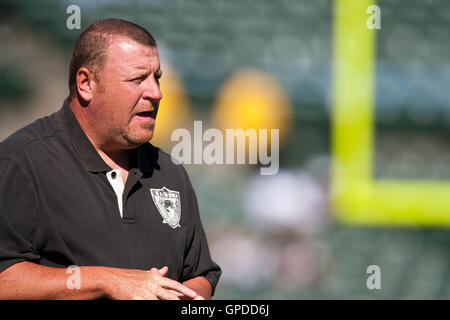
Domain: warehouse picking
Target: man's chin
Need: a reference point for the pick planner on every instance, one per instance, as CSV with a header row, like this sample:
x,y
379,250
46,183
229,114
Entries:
x,y
135,141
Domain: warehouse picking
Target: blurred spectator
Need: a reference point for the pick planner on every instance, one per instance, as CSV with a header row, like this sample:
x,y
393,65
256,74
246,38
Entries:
x,y
289,207
290,199
246,261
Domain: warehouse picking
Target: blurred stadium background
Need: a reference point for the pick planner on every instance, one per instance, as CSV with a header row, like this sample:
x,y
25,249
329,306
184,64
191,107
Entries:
x,y
276,237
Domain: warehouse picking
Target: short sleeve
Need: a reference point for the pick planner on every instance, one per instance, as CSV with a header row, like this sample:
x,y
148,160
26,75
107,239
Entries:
x,y
198,260
18,215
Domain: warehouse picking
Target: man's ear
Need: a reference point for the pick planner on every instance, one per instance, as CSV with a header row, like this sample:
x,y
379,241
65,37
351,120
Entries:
x,y
85,84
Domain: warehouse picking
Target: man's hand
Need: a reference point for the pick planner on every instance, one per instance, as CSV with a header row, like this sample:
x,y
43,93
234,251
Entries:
x,y
162,272
146,285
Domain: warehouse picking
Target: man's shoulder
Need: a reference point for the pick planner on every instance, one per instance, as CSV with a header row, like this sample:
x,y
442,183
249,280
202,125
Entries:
x,y
158,155
166,169
28,137
161,160
164,156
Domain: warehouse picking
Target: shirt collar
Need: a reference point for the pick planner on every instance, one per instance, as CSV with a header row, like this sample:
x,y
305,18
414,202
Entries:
x,y
146,157
89,155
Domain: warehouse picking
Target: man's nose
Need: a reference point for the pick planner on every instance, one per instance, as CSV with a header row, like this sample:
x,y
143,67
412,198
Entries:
x,y
152,91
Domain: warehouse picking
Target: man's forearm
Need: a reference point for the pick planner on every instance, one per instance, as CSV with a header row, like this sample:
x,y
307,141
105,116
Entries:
x,y
26,280
200,285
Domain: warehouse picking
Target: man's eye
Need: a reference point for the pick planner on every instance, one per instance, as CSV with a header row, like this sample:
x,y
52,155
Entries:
x,y
158,76
138,80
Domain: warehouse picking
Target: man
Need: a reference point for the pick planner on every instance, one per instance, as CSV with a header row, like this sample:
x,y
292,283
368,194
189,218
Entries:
x,y
84,187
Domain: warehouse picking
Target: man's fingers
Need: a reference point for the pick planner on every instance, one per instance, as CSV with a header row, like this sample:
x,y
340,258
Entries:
x,y
178,294
171,289
163,271
154,271
173,285
167,295
184,297
160,272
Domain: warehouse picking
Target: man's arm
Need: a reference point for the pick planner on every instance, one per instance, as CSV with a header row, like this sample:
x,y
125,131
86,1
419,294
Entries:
x,y
200,285
26,280
197,258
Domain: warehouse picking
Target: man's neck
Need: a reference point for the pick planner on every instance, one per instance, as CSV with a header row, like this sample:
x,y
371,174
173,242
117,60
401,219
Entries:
x,y
116,160
113,157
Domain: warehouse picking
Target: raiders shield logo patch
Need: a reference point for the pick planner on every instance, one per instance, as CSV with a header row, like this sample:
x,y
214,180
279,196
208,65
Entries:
x,y
168,203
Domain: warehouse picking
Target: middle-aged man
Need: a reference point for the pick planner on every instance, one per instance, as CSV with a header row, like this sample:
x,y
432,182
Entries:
x,y
83,187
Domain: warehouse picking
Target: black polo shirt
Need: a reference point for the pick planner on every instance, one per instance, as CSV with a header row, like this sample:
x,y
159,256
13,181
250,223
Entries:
x,y
57,207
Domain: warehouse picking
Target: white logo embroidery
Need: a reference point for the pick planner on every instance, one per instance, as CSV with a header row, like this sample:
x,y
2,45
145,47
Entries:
x,y
169,205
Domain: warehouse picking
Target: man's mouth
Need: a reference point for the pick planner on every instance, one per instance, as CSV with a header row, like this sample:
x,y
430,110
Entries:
x,y
145,114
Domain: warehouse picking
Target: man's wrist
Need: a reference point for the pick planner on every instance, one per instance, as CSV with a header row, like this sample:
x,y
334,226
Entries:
x,y
98,280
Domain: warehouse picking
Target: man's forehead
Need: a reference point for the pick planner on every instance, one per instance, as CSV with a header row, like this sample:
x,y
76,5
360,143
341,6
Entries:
x,y
130,53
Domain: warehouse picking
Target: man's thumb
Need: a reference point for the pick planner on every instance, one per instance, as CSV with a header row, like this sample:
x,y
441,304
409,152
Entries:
x,y
160,272
163,270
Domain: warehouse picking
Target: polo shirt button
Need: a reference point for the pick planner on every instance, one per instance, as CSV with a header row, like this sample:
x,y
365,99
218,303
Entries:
x,y
113,175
